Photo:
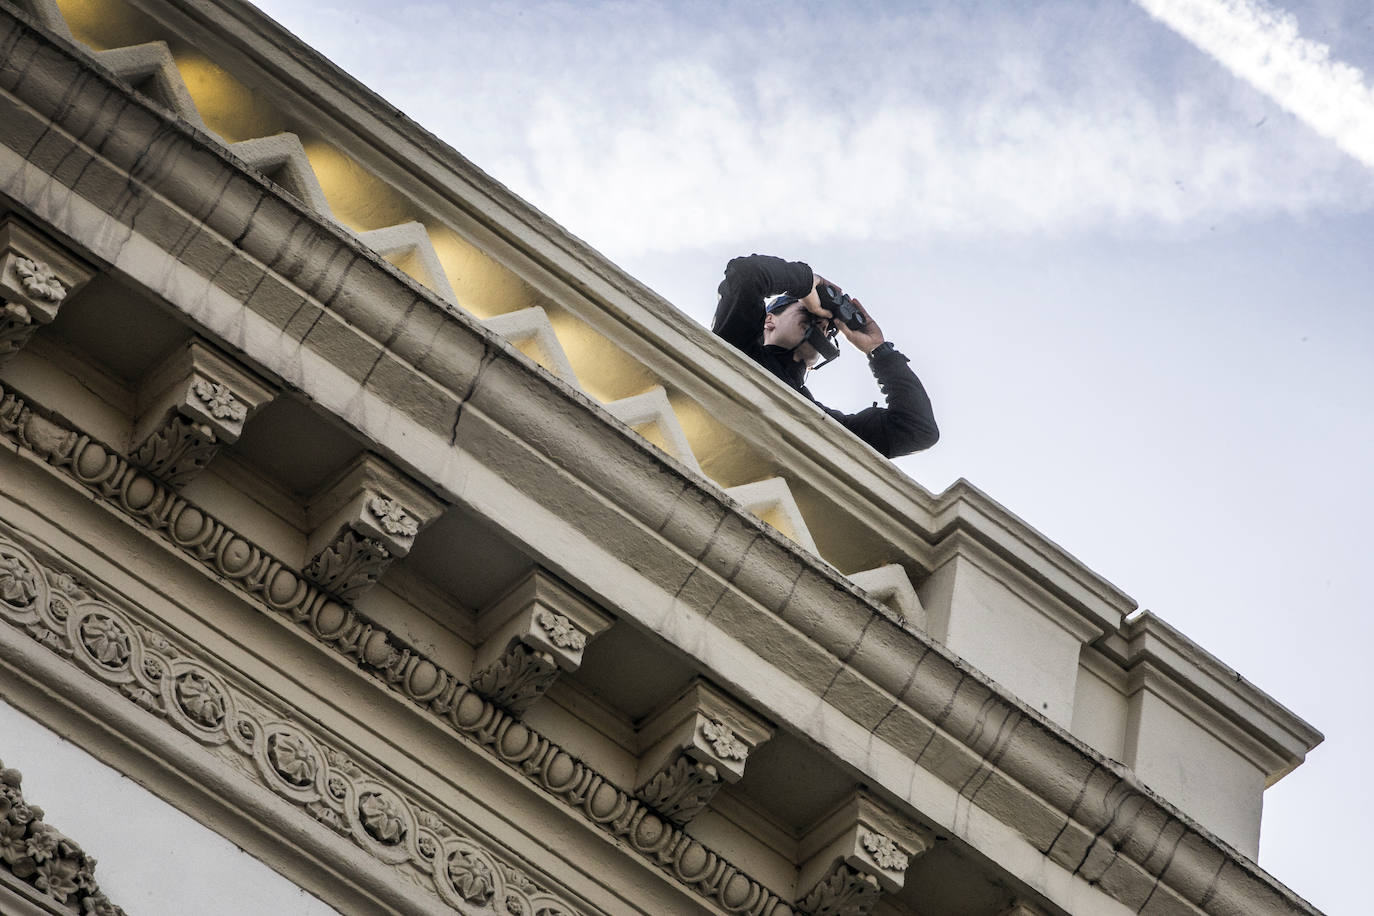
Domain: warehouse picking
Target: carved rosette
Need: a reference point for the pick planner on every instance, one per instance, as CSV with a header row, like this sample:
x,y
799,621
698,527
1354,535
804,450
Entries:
x,y
884,851
724,741
38,854
293,759
18,582
473,879
323,782
39,280
382,818
392,516
219,401
561,630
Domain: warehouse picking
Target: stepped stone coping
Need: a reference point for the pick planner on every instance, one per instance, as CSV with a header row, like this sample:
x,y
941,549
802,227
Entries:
x,y
652,408
532,326
772,501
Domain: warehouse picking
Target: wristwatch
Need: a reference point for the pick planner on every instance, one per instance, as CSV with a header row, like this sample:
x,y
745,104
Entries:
x,y
886,346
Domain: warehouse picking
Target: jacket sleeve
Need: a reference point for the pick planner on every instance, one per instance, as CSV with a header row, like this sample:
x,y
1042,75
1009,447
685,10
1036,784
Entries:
x,y
907,423
748,283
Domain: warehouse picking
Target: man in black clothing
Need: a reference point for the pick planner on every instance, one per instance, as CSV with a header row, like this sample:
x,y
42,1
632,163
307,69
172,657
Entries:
x,y
776,338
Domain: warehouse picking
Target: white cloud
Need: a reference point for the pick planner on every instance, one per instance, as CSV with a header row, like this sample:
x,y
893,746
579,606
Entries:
x,y
650,129
1261,45
696,168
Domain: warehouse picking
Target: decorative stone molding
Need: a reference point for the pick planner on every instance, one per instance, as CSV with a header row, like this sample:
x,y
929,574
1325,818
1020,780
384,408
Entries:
x,y
408,247
890,585
527,636
653,410
379,653
35,859
364,520
36,277
151,70
772,501
694,743
282,158
854,855
362,803
530,331
192,404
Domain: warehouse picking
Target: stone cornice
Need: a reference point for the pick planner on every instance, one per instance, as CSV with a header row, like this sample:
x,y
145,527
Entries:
x,y
211,716
1110,809
1271,735
1101,823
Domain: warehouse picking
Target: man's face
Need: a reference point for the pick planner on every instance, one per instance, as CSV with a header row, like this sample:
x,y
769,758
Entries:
x,y
786,327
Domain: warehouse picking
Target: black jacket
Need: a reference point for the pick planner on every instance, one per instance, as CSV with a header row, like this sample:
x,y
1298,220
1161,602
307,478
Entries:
x,y
905,425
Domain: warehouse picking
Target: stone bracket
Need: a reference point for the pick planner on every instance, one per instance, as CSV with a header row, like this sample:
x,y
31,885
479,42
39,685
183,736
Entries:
x,y
526,637
691,746
195,402
855,854
365,519
36,277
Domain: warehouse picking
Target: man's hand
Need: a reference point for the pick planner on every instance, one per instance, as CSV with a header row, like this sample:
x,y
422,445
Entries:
x,y
812,300
867,337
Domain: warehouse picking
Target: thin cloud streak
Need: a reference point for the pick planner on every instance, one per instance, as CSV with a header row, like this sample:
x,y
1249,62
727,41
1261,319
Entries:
x,y
1262,46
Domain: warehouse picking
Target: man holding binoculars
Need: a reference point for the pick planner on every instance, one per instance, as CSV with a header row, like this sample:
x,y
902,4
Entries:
x,y
796,332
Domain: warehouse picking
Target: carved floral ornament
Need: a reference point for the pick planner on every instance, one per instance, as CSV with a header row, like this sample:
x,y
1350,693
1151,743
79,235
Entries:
x,y
106,640
281,591
292,758
18,586
220,401
39,280
37,853
723,741
884,851
382,818
329,786
392,516
561,630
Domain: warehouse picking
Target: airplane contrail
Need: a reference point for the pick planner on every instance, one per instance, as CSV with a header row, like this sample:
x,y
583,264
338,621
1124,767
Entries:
x,y
1261,45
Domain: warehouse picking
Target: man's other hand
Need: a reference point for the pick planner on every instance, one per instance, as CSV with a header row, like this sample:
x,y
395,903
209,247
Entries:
x,y
867,337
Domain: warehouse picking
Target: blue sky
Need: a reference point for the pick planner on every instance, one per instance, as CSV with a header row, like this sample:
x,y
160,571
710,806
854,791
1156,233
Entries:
x,y
1129,246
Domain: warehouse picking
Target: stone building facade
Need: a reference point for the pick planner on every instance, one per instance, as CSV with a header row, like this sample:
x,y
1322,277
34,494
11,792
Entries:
x,y
363,514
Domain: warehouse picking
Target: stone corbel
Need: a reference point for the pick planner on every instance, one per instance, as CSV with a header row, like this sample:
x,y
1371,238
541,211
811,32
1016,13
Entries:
x,y
693,745
362,522
36,277
190,406
537,629
853,856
